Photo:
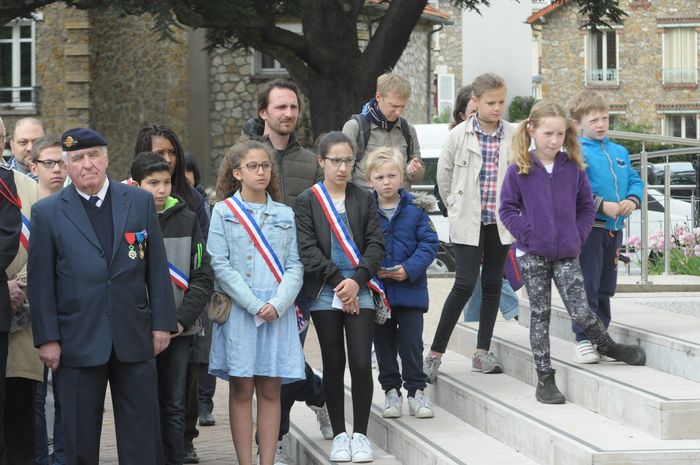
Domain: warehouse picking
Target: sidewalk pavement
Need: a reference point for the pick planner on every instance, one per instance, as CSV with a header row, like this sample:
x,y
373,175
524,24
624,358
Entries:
x,y
214,445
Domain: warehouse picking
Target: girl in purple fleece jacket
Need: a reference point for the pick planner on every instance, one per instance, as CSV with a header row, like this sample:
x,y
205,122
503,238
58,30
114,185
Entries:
x,y
547,205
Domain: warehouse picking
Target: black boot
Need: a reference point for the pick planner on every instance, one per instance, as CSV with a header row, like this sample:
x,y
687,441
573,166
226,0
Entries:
x,y
547,391
630,354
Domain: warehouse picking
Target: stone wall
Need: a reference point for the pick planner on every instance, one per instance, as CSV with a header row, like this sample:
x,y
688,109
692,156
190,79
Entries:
x,y
640,93
449,53
62,71
137,80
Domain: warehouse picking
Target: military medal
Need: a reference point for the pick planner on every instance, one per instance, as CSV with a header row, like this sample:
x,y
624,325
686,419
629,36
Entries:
x,y
141,237
131,240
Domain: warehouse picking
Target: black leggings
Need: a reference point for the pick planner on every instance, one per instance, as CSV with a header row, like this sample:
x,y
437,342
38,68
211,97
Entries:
x,y
467,260
359,331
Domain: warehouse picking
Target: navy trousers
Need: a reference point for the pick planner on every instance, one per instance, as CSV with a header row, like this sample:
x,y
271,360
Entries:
x,y
599,265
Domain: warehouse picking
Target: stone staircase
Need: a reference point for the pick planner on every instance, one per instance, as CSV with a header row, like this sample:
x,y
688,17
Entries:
x,y
615,414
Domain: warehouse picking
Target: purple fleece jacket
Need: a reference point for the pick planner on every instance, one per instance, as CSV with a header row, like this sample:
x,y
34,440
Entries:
x,y
549,214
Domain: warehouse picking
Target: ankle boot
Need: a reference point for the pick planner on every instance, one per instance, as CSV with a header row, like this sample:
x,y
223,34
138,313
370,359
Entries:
x,y
630,354
547,391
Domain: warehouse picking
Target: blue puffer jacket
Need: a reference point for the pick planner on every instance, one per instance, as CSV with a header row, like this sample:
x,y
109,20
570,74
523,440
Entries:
x,y
411,241
611,176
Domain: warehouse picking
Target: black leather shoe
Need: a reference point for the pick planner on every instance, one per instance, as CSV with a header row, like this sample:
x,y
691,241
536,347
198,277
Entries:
x,y
207,419
191,455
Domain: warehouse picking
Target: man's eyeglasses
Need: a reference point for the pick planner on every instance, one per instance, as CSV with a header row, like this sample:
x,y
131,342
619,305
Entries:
x,y
50,164
339,161
254,166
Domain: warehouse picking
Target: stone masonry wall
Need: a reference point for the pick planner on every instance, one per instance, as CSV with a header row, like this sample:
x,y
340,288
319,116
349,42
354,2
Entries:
x,y
62,71
450,52
640,91
137,80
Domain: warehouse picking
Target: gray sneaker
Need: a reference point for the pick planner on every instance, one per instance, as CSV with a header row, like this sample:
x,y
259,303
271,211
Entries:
x,y
486,363
280,458
392,404
324,421
430,367
419,407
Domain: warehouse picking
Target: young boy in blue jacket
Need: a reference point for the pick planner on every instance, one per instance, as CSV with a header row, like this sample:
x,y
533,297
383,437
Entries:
x,y
411,246
617,192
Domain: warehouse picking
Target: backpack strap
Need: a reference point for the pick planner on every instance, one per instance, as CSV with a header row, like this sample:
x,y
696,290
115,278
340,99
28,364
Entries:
x,y
363,133
405,128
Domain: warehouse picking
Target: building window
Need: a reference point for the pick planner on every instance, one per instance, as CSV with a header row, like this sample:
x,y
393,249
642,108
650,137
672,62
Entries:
x,y
445,93
679,55
682,125
601,57
17,64
264,64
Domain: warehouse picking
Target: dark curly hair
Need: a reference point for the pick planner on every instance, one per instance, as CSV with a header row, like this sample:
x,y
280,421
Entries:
x,y
227,185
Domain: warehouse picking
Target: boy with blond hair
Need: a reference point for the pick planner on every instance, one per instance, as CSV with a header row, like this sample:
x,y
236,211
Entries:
x,y
617,191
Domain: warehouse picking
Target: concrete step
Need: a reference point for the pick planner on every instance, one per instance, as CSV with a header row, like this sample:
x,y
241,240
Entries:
x,y
671,339
505,408
444,439
663,405
304,444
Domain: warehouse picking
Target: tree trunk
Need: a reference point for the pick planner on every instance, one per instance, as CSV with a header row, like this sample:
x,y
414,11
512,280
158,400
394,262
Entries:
x,y
334,99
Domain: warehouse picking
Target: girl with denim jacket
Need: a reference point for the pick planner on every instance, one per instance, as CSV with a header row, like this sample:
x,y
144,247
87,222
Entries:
x,y
342,305
546,203
258,347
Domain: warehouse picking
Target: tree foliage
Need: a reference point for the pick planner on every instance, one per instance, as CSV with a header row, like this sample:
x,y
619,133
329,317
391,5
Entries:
x,y
326,61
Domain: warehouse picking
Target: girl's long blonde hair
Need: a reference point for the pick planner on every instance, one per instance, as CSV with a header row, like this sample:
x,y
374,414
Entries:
x,y
227,185
522,140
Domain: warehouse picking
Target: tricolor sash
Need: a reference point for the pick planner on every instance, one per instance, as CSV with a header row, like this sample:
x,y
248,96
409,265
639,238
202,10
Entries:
x,y
343,237
24,234
179,278
263,246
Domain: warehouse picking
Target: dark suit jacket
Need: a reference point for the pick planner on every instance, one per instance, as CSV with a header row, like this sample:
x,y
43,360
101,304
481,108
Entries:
x,y
88,304
10,226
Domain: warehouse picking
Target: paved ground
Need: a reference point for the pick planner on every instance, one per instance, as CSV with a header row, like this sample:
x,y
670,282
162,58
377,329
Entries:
x,y
214,444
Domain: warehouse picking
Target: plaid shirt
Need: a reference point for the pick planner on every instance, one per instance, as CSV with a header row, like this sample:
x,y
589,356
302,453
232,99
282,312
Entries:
x,y
488,177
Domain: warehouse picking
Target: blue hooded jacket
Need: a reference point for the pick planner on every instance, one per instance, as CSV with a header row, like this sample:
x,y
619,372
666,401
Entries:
x,y
412,242
611,176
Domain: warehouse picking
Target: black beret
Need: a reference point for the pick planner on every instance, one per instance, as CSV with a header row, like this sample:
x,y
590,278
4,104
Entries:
x,y
81,138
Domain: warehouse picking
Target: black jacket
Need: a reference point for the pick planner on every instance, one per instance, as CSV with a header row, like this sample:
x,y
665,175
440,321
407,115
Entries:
x,y
314,239
10,226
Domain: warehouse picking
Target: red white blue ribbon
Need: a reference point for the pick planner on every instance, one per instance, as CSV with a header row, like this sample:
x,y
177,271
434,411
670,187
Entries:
x,y
343,237
24,234
263,246
179,278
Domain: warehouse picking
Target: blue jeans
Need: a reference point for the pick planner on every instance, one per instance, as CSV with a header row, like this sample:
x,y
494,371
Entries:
x,y
402,334
172,382
508,304
42,437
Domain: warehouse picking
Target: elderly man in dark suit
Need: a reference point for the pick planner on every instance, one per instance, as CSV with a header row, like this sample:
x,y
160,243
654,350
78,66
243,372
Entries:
x,y
102,304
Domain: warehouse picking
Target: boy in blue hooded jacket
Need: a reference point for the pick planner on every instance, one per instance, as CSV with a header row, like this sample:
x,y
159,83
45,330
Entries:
x,y
411,246
617,192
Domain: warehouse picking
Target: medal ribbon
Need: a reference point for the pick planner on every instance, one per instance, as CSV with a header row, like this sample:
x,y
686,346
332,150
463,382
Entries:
x,y
179,278
343,237
263,246
24,234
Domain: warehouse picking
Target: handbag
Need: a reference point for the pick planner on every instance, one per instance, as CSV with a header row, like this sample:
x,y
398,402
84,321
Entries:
x,y
382,310
219,308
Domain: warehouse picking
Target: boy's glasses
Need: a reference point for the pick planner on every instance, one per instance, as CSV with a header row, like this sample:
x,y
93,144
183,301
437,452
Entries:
x,y
49,164
254,166
339,161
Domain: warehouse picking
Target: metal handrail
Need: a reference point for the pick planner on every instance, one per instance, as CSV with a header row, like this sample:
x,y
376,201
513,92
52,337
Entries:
x,y
644,157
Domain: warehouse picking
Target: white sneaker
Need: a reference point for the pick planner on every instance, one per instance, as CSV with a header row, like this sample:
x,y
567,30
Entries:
x,y
280,459
340,452
324,421
392,404
361,448
419,407
585,353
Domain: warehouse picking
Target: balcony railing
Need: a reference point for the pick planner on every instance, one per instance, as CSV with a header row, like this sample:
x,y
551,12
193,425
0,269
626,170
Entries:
x,y
602,75
680,75
17,97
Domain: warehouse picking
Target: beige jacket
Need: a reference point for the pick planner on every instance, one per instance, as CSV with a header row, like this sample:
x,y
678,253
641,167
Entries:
x,y
23,358
458,180
379,137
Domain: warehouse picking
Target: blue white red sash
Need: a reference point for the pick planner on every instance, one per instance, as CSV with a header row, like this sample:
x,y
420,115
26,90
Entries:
x,y
24,234
179,278
343,237
264,247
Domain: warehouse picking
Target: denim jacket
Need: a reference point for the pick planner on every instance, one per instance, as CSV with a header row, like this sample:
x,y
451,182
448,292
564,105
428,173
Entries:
x,y
233,252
